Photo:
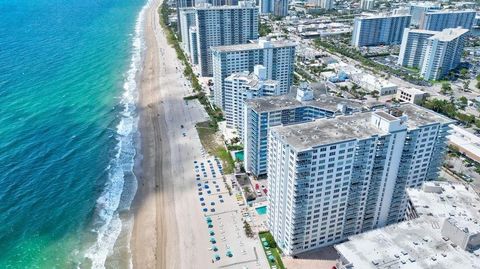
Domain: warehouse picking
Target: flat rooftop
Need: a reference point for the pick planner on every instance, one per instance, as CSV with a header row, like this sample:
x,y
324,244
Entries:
x,y
449,12
254,45
241,5
327,131
380,16
466,140
417,243
422,31
449,34
411,90
357,126
419,116
251,79
288,101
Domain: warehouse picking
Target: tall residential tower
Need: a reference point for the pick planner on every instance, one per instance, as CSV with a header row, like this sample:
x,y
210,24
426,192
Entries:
x,y
223,25
303,104
333,178
379,30
439,20
278,58
434,53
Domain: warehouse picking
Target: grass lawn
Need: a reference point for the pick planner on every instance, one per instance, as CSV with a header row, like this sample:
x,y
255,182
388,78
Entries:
x,y
274,251
211,141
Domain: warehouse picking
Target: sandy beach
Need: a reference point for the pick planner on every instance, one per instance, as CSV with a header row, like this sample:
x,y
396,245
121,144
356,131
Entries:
x,y
174,197
159,202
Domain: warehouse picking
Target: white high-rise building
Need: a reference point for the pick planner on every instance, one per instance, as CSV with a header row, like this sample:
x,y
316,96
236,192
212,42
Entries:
x,y
333,178
302,104
434,53
443,53
412,49
367,4
278,57
379,30
417,9
223,25
439,20
243,86
187,20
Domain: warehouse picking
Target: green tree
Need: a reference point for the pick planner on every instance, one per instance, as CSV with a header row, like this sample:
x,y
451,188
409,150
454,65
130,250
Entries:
x,y
446,88
464,73
442,106
463,102
264,29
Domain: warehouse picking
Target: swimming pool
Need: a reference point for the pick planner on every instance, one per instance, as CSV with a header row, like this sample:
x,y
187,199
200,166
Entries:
x,y
261,210
239,155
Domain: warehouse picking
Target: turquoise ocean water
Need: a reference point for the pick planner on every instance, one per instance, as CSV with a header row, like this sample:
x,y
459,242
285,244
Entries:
x,y
67,126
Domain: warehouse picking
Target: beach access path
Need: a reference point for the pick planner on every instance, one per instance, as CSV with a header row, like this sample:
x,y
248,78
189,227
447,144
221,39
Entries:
x,y
167,232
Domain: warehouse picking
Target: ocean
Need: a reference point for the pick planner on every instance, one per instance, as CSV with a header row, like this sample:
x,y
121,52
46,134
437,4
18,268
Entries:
x,y
67,131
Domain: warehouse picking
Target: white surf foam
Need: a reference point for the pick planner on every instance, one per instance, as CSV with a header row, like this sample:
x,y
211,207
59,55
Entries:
x,y
109,225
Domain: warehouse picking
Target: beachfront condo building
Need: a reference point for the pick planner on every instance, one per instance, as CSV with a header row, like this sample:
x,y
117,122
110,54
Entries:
x,y
434,53
417,9
245,86
278,58
303,104
187,20
439,20
367,4
336,177
180,4
379,30
223,25
193,49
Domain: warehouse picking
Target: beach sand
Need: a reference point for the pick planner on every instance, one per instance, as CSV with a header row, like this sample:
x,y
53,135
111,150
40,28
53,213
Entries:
x,y
166,196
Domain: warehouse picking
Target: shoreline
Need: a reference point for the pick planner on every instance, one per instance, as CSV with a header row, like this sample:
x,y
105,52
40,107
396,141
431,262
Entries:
x,y
166,203
143,239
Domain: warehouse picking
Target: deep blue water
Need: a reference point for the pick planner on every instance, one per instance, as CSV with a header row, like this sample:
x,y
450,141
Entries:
x,y
64,159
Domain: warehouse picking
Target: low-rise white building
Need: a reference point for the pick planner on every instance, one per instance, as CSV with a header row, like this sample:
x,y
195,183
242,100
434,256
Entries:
x,y
442,231
466,142
371,83
410,95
